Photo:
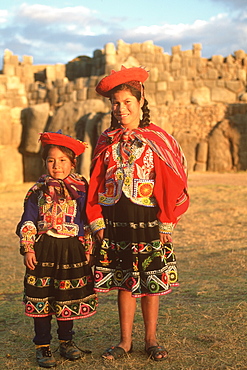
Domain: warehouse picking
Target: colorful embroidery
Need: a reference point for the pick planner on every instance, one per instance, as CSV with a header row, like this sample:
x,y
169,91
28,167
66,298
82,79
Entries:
x,y
143,188
70,284
59,216
97,224
142,279
63,310
166,227
27,236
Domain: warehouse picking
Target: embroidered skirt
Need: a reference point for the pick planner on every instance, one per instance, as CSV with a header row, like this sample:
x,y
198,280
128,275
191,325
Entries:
x,y
131,256
62,281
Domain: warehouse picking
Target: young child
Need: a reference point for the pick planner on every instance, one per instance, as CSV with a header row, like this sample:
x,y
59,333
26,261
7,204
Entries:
x,y
58,279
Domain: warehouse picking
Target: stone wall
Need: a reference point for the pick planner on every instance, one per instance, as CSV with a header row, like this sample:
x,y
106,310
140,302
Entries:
x,y
202,102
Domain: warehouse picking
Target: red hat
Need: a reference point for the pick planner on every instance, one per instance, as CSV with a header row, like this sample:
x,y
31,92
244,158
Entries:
x,y
125,75
57,138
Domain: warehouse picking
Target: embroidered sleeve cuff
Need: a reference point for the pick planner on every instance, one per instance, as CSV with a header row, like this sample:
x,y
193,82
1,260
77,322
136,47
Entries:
x,y
26,247
166,228
97,225
28,233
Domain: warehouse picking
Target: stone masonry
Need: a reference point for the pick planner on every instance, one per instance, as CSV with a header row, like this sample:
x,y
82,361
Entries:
x,y
201,102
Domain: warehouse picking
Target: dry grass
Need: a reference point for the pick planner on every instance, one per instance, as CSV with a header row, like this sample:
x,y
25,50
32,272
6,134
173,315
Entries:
x,y
202,323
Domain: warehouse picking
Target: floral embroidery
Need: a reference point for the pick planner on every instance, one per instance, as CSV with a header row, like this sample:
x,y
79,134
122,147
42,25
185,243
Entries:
x,y
27,236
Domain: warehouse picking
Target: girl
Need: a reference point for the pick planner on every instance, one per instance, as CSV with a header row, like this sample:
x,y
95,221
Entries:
x,y
58,279
136,195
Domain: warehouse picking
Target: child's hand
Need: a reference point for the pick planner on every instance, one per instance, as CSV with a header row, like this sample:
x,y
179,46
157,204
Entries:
x,y
30,260
165,238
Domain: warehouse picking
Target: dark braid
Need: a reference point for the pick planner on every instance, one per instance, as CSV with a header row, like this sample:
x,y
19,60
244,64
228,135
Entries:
x,y
114,122
137,93
146,115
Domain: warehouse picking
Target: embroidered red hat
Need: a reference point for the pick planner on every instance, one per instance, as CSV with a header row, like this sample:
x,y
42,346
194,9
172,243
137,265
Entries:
x,y
57,138
125,75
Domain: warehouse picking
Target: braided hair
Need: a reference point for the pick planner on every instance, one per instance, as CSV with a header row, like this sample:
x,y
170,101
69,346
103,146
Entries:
x,y
145,121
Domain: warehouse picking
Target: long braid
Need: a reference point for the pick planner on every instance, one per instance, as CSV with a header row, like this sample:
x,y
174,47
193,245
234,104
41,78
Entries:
x,y
114,122
146,115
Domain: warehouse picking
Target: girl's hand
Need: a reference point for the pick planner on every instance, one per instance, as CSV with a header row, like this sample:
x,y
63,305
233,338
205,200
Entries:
x,y
165,238
30,260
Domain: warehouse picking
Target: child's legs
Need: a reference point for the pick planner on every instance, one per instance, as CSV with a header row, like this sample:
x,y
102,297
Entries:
x,y
42,328
64,330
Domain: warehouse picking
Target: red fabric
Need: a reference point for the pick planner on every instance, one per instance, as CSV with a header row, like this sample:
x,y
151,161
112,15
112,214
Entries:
x,y
168,151
125,75
170,184
168,189
55,138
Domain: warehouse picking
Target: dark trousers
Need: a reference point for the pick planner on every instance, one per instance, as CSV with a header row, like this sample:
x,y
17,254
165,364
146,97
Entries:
x,y
42,328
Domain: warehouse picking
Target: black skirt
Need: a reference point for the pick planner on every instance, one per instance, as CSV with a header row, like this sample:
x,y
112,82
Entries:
x,y
131,256
62,281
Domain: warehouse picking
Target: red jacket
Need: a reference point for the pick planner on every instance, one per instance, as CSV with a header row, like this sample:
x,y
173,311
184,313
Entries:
x,y
153,173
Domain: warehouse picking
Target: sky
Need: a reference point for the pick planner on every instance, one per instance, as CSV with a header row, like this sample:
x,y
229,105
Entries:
x,y
57,31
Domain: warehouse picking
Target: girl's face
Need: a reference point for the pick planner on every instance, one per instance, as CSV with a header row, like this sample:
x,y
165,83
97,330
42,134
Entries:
x,y
126,109
58,164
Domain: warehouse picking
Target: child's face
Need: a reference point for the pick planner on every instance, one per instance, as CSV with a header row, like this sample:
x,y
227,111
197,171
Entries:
x,y
58,164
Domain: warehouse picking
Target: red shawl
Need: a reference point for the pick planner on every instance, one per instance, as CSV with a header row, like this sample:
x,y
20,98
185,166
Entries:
x,y
163,144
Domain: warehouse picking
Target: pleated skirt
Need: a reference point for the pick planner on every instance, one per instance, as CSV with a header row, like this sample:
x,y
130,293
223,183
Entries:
x,y
131,256
61,283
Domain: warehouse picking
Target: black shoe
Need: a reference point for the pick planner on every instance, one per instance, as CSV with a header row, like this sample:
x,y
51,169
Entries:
x,y
69,350
45,357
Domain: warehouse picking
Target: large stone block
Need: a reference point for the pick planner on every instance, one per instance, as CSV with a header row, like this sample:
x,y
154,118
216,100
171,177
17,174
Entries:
x,y
224,146
147,47
161,86
188,143
212,74
10,165
240,54
13,82
219,154
110,48
202,152
34,120
182,97
235,86
241,75
33,167
201,96
27,59
219,94
135,48
8,70
163,97
11,128
50,72
16,126
217,59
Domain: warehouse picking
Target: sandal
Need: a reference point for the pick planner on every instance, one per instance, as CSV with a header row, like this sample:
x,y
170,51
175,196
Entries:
x,y
115,352
155,351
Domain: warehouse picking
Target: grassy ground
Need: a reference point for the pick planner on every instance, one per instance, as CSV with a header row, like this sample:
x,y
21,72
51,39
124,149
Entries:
x,y
202,323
